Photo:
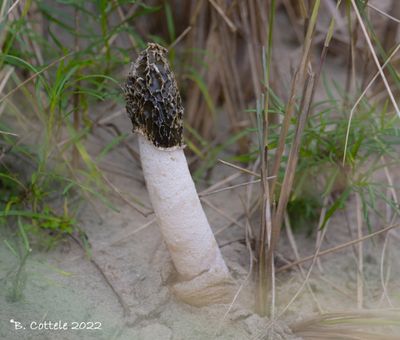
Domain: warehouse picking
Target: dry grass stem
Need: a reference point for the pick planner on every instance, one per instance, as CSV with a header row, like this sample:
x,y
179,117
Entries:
x,y
33,76
223,15
383,13
307,277
292,242
319,231
222,213
179,39
360,266
220,183
361,96
230,188
121,239
338,247
237,167
374,56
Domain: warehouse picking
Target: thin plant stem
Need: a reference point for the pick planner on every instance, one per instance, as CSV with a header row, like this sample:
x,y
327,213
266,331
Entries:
x,y
306,280
289,173
319,231
374,56
360,271
76,96
338,247
359,100
292,242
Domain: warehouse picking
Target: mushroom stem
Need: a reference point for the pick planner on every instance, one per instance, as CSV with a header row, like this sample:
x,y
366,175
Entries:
x,y
204,276
155,108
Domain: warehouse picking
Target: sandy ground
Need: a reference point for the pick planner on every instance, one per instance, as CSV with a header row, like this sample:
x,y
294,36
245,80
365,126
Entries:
x,y
65,285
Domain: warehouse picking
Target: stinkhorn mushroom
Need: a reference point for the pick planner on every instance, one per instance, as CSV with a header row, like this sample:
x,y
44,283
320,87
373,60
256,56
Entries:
x,y
154,105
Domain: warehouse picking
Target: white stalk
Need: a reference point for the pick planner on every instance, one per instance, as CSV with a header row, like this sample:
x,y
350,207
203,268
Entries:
x,y
155,108
184,225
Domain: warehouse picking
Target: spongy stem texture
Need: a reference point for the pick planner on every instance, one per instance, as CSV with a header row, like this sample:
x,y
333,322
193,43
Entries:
x,y
180,215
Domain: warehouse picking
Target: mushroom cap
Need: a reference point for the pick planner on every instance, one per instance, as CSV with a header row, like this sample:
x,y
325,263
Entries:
x,y
152,99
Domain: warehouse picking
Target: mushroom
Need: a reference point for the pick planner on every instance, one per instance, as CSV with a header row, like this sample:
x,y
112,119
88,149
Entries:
x,y
154,105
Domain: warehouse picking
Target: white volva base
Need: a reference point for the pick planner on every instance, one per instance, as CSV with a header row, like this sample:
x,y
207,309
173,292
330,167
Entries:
x,y
204,276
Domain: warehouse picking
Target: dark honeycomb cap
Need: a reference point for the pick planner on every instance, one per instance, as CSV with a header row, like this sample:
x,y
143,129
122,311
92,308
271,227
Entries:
x,y
152,99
